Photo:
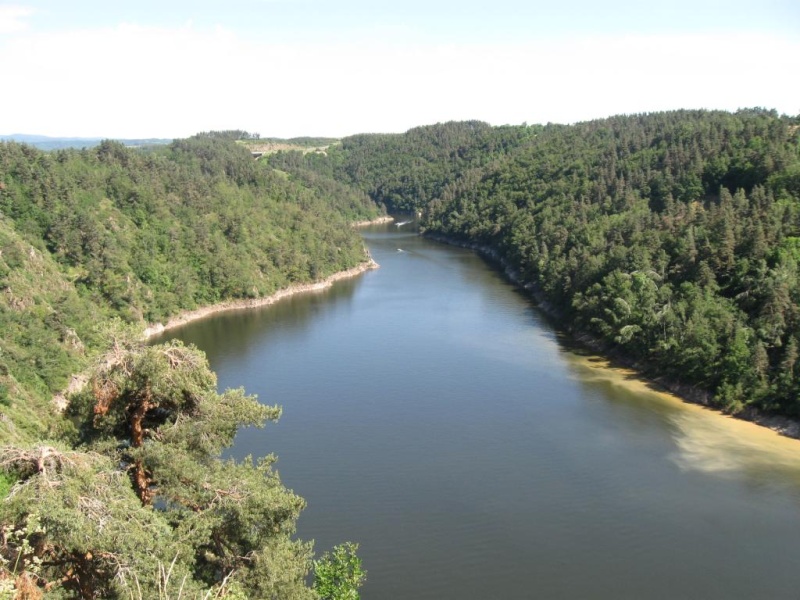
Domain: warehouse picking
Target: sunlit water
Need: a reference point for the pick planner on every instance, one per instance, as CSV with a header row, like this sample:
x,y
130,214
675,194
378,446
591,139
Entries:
x,y
431,415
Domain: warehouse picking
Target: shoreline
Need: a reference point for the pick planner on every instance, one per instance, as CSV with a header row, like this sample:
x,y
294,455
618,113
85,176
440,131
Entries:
x,y
688,394
196,314
376,221
79,380
187,316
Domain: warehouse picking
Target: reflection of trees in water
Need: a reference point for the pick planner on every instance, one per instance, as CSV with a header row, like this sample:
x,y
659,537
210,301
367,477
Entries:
x,y
243,328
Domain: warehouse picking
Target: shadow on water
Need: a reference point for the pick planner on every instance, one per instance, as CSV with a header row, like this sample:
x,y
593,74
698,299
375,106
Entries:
x,y
243,328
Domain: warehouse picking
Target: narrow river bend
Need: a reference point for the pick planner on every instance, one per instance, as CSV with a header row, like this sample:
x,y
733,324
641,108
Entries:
x,y
431,415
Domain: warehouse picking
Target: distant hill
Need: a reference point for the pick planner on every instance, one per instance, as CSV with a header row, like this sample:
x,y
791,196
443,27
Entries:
x,y
301,144
44,142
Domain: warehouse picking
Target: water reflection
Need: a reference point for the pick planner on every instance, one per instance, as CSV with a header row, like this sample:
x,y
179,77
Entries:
x,y
244,329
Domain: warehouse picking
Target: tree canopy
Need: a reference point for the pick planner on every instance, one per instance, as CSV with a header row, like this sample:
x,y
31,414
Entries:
x,y
152,427
87,235
127,496
671,238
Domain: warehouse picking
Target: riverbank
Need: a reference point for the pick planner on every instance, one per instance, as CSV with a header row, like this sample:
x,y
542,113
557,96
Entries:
x,y
193,315
78,381
781,425
378,221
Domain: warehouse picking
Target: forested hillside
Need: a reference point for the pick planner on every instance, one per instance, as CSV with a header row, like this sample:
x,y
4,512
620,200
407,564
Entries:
x,y
127,495
91,234
673,238
405,171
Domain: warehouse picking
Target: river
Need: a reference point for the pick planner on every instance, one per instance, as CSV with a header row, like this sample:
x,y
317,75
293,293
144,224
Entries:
x,y
432,415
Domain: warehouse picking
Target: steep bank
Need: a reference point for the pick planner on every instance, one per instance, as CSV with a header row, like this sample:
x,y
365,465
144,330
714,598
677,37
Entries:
x,y
193,315
200,313
671,237
114,233
78,381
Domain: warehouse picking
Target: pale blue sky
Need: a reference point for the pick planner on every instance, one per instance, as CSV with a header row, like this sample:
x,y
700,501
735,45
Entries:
x,y
449,20
311,67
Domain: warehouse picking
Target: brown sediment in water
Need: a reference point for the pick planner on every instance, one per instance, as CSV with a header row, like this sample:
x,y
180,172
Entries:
x,y
780,425
705,439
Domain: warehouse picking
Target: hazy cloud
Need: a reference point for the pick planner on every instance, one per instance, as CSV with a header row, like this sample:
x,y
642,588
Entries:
x,y
13,19
135,81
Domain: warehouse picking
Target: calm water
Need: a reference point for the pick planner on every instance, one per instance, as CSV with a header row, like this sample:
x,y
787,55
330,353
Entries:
x,y
431,415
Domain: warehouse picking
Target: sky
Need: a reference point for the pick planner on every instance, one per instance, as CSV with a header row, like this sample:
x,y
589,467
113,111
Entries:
x,y
287,68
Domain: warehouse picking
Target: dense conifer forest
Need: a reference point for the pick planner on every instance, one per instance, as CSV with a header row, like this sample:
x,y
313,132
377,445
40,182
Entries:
x,y
670,239
126,495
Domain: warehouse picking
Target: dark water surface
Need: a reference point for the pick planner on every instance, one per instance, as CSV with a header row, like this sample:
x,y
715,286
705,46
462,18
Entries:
x,y
432,416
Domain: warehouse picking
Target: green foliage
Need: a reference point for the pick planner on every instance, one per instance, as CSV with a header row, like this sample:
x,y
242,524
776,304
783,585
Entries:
x,y
86,235
5,484
147,488
134,501
150,233
671,237
18,574
44,324
404,172
338,574
655,232
68,524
